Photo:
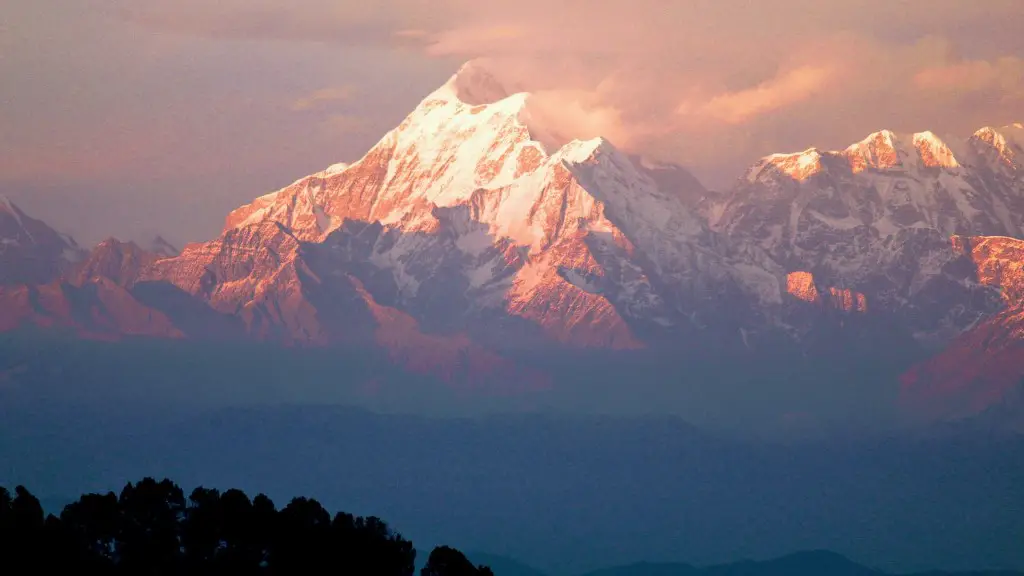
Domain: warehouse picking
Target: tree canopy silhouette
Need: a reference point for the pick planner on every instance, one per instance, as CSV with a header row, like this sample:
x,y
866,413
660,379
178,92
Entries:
x,y
445,561
152,529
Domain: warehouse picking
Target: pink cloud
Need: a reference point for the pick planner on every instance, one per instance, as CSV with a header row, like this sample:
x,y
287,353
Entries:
x,y
1004,74
323,96
785,90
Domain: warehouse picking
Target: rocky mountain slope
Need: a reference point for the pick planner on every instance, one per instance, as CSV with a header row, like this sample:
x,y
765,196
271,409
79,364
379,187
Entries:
x,y
30,251
983,366
874,221
460,238
458,215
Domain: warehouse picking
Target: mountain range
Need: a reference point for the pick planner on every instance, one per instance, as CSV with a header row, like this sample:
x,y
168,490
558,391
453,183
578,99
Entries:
x,y
799,564
810,563
471,239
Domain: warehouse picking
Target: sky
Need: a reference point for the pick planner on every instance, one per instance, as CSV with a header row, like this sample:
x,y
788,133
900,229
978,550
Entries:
x,y
140,117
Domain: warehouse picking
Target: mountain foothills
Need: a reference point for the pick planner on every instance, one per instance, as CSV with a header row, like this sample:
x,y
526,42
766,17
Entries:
x,y
799,564
470,237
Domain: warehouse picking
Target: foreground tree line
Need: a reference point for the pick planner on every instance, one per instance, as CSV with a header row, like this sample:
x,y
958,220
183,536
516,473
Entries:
x,y
152,529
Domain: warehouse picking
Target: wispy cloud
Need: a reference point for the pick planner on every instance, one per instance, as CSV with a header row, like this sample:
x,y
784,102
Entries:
x,y
787,89
1005,75
323,97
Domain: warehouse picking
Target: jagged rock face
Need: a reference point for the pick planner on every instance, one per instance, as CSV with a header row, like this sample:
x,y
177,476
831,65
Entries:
x,y
90,295
290,291
162,248
97,308
876,219
30,251
984,364
121,262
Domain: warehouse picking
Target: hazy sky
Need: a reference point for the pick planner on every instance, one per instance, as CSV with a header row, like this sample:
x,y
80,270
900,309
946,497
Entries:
x,y
132,117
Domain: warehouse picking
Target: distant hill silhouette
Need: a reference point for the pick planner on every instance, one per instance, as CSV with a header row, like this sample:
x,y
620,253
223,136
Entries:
x,y
809,563
649,569
503,565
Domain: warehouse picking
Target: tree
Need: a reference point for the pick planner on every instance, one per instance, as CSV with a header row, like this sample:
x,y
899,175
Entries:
x,y
302,538
370,542
151,529
202,531
6,518
151,517
446,561
92,527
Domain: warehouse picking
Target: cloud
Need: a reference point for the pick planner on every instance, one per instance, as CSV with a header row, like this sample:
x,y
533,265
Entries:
x,y
558,116
345,22
192,103
489,39
790,88
1004,74
322,97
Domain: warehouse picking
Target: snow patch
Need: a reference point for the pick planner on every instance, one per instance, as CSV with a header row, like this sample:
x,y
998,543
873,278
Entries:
x,y
335,169
847,223
72,255
743,336
481,275
759,282
474,242
579,280
323,221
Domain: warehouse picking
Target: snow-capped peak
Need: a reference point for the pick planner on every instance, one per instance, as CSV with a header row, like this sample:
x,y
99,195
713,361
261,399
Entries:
x,y
473,84
878,151
991,136
933,151
579,151
1007,145
798,166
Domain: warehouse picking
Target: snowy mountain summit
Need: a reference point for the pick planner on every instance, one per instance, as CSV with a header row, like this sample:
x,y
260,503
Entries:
x,y
461,203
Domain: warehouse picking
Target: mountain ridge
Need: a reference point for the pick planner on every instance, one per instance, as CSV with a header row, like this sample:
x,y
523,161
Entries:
x,y
461,237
